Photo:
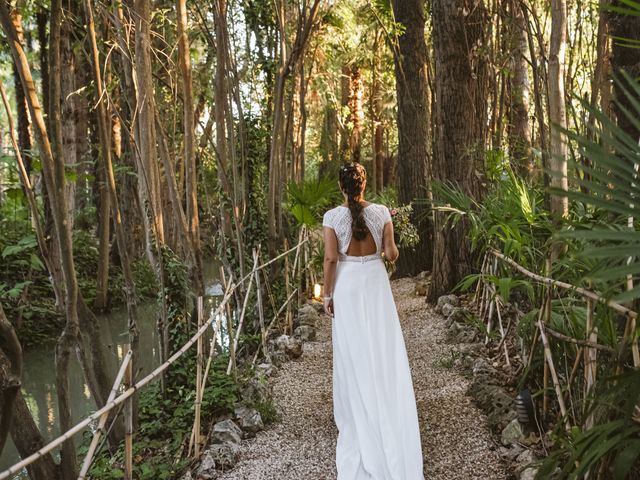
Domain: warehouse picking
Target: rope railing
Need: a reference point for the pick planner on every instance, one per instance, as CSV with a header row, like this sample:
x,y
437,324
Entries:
x,y
489,302
115,401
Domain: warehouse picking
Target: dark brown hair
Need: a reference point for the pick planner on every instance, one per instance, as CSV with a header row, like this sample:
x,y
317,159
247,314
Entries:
x,y
352,178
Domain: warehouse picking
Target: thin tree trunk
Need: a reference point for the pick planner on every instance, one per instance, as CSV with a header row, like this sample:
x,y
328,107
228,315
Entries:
x,y
16,417
189,145
557,112
519,130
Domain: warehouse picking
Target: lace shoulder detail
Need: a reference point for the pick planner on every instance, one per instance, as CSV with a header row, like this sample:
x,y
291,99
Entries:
x,y
339,218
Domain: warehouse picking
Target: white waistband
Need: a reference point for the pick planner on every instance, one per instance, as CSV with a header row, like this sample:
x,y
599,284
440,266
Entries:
x,y
360,259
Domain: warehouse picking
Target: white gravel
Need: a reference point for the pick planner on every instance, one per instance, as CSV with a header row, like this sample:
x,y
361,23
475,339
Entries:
x,y
456,442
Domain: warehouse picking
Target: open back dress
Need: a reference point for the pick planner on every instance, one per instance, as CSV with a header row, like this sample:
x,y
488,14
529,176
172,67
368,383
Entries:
x,y
373,399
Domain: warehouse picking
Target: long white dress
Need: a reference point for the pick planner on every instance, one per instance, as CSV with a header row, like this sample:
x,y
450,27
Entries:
x,y
373,399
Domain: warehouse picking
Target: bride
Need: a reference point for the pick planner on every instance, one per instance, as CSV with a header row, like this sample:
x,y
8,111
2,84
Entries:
x,y
373,400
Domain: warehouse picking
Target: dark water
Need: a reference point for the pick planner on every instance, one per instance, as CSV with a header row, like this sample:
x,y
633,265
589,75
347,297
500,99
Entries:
x,y
38,380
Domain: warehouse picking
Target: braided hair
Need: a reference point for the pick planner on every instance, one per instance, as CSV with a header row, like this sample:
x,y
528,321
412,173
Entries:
x,y
352,178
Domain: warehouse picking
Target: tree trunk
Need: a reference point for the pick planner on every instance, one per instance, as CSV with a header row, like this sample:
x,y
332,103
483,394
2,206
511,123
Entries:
x,y
557,113
625,58
413,128
519,130
189,145
461,78
16,417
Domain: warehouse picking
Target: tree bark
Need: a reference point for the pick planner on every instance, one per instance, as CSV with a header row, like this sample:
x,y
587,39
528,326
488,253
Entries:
x,y
557,112
414,136
189,145
461,78
16,417
519,129
625,58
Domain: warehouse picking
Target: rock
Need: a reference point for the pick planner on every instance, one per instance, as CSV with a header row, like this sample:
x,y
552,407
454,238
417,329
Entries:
x,y
447,309
207,468
278,357
446,299
510,453
256,389
528,474
226,431
307,315
292,346
187,476
470,348
420,289
265,369
249,419
225,455
524,460
512,433
305,332
493,400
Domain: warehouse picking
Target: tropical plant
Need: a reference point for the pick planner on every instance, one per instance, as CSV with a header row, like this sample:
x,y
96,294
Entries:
x,y
307,200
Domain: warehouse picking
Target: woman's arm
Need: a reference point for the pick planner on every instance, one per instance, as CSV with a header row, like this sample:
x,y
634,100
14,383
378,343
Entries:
x,y
330,262
390,249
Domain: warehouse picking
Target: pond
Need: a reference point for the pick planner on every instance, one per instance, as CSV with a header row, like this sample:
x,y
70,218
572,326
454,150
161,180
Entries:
x,y
38,379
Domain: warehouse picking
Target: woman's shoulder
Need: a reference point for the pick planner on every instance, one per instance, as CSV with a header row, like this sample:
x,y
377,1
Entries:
x,y
329,217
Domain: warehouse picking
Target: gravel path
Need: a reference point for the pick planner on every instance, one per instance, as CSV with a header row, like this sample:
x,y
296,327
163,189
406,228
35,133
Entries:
x,y
456,442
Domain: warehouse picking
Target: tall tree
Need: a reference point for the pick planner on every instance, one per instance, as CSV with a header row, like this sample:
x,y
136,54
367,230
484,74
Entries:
x,y
410,59
191,190
459,30
557,111
625,30
518,130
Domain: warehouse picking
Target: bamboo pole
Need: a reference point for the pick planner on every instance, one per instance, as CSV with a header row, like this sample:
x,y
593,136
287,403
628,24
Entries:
x,y
546,317
117,401
260,306
128,425
242,314
552,370
216,329
266,330
86,464
198,401
287,283
566,286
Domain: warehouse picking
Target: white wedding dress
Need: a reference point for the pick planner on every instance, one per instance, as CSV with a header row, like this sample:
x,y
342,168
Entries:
x,y
373,399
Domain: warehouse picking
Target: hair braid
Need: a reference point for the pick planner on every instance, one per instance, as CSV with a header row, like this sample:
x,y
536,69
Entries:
x,y
352,178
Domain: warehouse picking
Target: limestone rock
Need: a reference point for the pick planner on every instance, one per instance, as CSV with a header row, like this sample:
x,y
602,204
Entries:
x,y
307,315
305,333
524,460
225,455
256,389
226,431
528,474
291,346
207,468
249,419
446,299
266,369
512,433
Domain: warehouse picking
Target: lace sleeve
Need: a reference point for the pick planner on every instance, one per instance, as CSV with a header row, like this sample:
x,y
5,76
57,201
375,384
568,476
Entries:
x,y
386,215
327,219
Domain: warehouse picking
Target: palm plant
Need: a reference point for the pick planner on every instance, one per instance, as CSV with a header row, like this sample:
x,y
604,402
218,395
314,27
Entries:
x,y
307,200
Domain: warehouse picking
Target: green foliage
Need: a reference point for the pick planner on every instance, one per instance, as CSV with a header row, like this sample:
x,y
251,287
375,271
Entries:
x,y
607,181
166,421
307,201
615,439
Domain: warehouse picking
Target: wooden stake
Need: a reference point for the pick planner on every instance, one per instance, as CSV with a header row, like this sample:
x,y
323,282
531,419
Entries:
x,y
128,425
198,402
86,464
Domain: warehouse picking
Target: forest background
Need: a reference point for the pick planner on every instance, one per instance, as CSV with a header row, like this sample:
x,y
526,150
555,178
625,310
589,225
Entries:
x,y
142,140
